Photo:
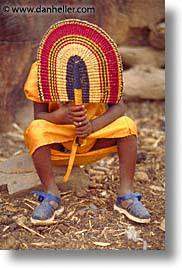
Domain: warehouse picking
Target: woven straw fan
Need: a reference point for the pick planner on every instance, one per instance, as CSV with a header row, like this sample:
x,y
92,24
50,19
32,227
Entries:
x,y
78,62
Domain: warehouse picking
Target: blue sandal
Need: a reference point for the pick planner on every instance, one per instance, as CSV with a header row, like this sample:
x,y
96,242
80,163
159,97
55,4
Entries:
x,y
45,212
135,210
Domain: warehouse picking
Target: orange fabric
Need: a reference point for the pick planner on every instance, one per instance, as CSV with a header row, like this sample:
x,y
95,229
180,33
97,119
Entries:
x,y
71,160
42,132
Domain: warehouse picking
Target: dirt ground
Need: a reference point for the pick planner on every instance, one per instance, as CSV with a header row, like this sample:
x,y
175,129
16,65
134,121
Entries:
x,y
90,222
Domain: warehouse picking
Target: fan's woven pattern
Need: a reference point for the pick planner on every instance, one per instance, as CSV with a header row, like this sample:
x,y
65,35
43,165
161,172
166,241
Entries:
x,y
100,64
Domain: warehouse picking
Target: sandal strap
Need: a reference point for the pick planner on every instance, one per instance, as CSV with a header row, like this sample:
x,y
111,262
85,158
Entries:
x,y
42,195
131,195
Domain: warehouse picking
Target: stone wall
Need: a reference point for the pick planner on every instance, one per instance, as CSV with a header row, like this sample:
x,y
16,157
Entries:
x,y
128,22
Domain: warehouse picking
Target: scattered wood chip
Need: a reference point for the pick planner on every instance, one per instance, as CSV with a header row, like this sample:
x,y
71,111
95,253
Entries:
x,y
103,193
2,159
20,221
142,176
82,231
31,201
5,228
66,193
93,172
162,225
157,141
70,214
153,193
10,208
102,244
40,244
29,206
110,161
15,136
133,234
18,152
157,188
122,233
17,128
101,169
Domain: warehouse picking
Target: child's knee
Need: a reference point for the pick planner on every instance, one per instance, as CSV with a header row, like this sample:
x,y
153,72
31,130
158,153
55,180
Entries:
x,y
36,126
129,125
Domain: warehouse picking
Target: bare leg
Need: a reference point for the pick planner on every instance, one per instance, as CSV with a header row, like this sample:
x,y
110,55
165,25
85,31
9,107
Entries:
x,y
127,152
42,161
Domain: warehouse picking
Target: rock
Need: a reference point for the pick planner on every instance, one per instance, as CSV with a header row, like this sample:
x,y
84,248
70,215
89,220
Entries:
x,y
131,20
145,82
14,67
132,56
144,13
19,174
157,36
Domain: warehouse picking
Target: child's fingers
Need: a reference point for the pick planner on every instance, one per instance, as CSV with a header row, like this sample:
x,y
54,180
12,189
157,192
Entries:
x,y
76,124
77,108
82,129
82,124
79,119
83,135
78,114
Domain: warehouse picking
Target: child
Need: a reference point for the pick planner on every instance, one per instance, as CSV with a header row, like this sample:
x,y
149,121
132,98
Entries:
x,y
54,127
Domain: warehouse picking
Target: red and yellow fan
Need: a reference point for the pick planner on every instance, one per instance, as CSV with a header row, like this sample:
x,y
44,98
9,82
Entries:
x,y
100,67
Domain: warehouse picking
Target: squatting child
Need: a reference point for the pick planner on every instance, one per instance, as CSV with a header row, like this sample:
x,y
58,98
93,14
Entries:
x,y
49,138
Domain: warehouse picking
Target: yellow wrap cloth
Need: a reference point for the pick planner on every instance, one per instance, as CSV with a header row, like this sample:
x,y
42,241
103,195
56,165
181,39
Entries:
x,y
42,132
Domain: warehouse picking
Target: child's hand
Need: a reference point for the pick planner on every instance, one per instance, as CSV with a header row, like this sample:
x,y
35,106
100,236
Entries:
x,y
84,128
67,114
77,115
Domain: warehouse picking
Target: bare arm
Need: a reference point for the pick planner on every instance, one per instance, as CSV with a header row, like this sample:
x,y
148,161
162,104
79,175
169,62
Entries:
x,y
114,112
64,115
86,127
